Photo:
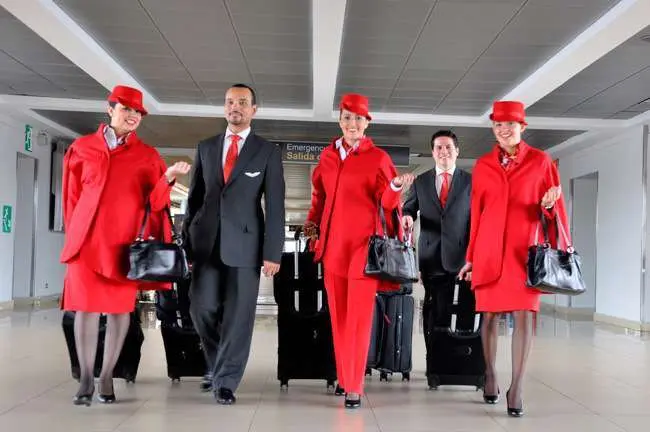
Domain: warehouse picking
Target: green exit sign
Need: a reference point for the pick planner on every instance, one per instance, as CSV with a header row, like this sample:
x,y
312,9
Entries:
x,y
28,138
6,218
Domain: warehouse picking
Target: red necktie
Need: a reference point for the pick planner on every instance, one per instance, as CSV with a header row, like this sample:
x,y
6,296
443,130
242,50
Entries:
x,y
444,190
231,157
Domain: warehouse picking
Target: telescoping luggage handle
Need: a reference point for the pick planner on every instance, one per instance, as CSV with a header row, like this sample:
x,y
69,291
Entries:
x,y
299,237
452,328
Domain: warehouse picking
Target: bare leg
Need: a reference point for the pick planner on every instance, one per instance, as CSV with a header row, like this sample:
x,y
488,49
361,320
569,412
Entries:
x,y
116,330
522,339
490,339
86,333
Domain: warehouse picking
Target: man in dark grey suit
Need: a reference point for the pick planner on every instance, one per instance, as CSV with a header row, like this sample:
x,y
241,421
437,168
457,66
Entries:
x,y
229,237
442,198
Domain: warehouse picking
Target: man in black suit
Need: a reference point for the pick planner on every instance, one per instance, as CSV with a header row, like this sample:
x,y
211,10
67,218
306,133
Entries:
x,y
442,198
229,237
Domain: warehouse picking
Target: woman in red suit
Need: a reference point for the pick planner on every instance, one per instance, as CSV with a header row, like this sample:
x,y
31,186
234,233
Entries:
x,y
511,185
108,177
351,179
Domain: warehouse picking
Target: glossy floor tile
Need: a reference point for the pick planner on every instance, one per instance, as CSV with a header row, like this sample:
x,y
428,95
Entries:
x,y
582,377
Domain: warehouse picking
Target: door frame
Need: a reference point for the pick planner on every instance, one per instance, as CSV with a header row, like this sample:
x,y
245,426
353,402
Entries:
x,y
32,270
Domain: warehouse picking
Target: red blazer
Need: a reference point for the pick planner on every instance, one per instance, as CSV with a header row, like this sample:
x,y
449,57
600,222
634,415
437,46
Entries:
x,y
344,205
122,180
509,202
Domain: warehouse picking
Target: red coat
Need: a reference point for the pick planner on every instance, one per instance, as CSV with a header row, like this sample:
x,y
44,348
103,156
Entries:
x,y
104,196
345,205
505,208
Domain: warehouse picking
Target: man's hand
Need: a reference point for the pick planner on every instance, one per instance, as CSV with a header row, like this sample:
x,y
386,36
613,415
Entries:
x,y
270,268
407,223
466,272
310,230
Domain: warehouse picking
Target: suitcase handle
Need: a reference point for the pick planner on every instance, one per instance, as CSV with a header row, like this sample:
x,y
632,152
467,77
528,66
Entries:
x,y
457,334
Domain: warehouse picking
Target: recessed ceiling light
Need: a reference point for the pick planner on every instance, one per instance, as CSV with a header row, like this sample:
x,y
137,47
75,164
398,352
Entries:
x,y
645,38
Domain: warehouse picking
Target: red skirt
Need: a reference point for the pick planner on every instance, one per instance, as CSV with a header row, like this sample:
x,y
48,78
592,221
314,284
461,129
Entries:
x,y
85,290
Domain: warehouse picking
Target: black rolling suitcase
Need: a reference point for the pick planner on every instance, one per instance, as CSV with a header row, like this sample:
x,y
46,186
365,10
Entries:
x,y
453,337
305,346
129,360
183,350
391,341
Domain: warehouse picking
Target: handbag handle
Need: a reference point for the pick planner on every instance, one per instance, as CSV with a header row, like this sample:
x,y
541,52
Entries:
x,y
396,221
147,210
561,232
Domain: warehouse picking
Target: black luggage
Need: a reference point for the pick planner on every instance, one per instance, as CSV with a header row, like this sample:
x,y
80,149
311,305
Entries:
x,y
129,360
305,346
391,340
183,350
453,337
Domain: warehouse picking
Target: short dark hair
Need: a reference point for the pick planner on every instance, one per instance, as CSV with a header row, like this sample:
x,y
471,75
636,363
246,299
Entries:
x,y
253,96
444,133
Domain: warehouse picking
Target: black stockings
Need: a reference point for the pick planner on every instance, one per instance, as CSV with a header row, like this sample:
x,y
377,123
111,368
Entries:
x,y
522,338
86,330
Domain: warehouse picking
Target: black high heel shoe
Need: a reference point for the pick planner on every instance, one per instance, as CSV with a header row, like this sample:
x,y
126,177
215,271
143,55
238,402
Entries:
x,y
83,399
514,412
352,403
491,399
106,399
340,391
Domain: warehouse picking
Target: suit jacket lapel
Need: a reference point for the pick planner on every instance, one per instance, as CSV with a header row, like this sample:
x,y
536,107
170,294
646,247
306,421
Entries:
x,y
247,153
218,157
455,187
431,181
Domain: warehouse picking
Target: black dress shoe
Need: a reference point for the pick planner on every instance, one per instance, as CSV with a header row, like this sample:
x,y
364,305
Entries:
x,y
206,384
352,403
491,399
225,396
83,400
515,412
340,391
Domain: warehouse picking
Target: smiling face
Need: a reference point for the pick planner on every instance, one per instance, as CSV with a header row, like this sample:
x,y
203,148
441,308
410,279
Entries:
x,y
444,152
353,126
508,134
124,119
239,108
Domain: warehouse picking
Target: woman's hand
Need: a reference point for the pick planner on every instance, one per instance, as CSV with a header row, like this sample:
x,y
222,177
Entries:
x,y
178,169
551,195
466,272
310,230
404,180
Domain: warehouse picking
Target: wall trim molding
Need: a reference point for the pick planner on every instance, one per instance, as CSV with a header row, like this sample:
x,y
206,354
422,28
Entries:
x,y
39,302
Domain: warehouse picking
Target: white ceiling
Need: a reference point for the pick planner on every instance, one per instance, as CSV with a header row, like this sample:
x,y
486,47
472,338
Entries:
x,y
580,66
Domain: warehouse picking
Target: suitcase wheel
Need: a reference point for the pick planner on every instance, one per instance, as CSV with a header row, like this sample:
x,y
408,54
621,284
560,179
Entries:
x,y
406,376
383,376
434,382
368,372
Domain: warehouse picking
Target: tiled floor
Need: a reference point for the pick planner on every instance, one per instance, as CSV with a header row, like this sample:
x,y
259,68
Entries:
x,y
581,378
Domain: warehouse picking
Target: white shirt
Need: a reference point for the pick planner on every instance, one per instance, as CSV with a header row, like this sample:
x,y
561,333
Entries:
x,y
440,177
341,149
344,154
228,140
111,139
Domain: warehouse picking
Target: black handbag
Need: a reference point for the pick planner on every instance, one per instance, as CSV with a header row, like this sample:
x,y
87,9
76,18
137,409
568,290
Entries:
x,y
390,258
153,260
554,271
